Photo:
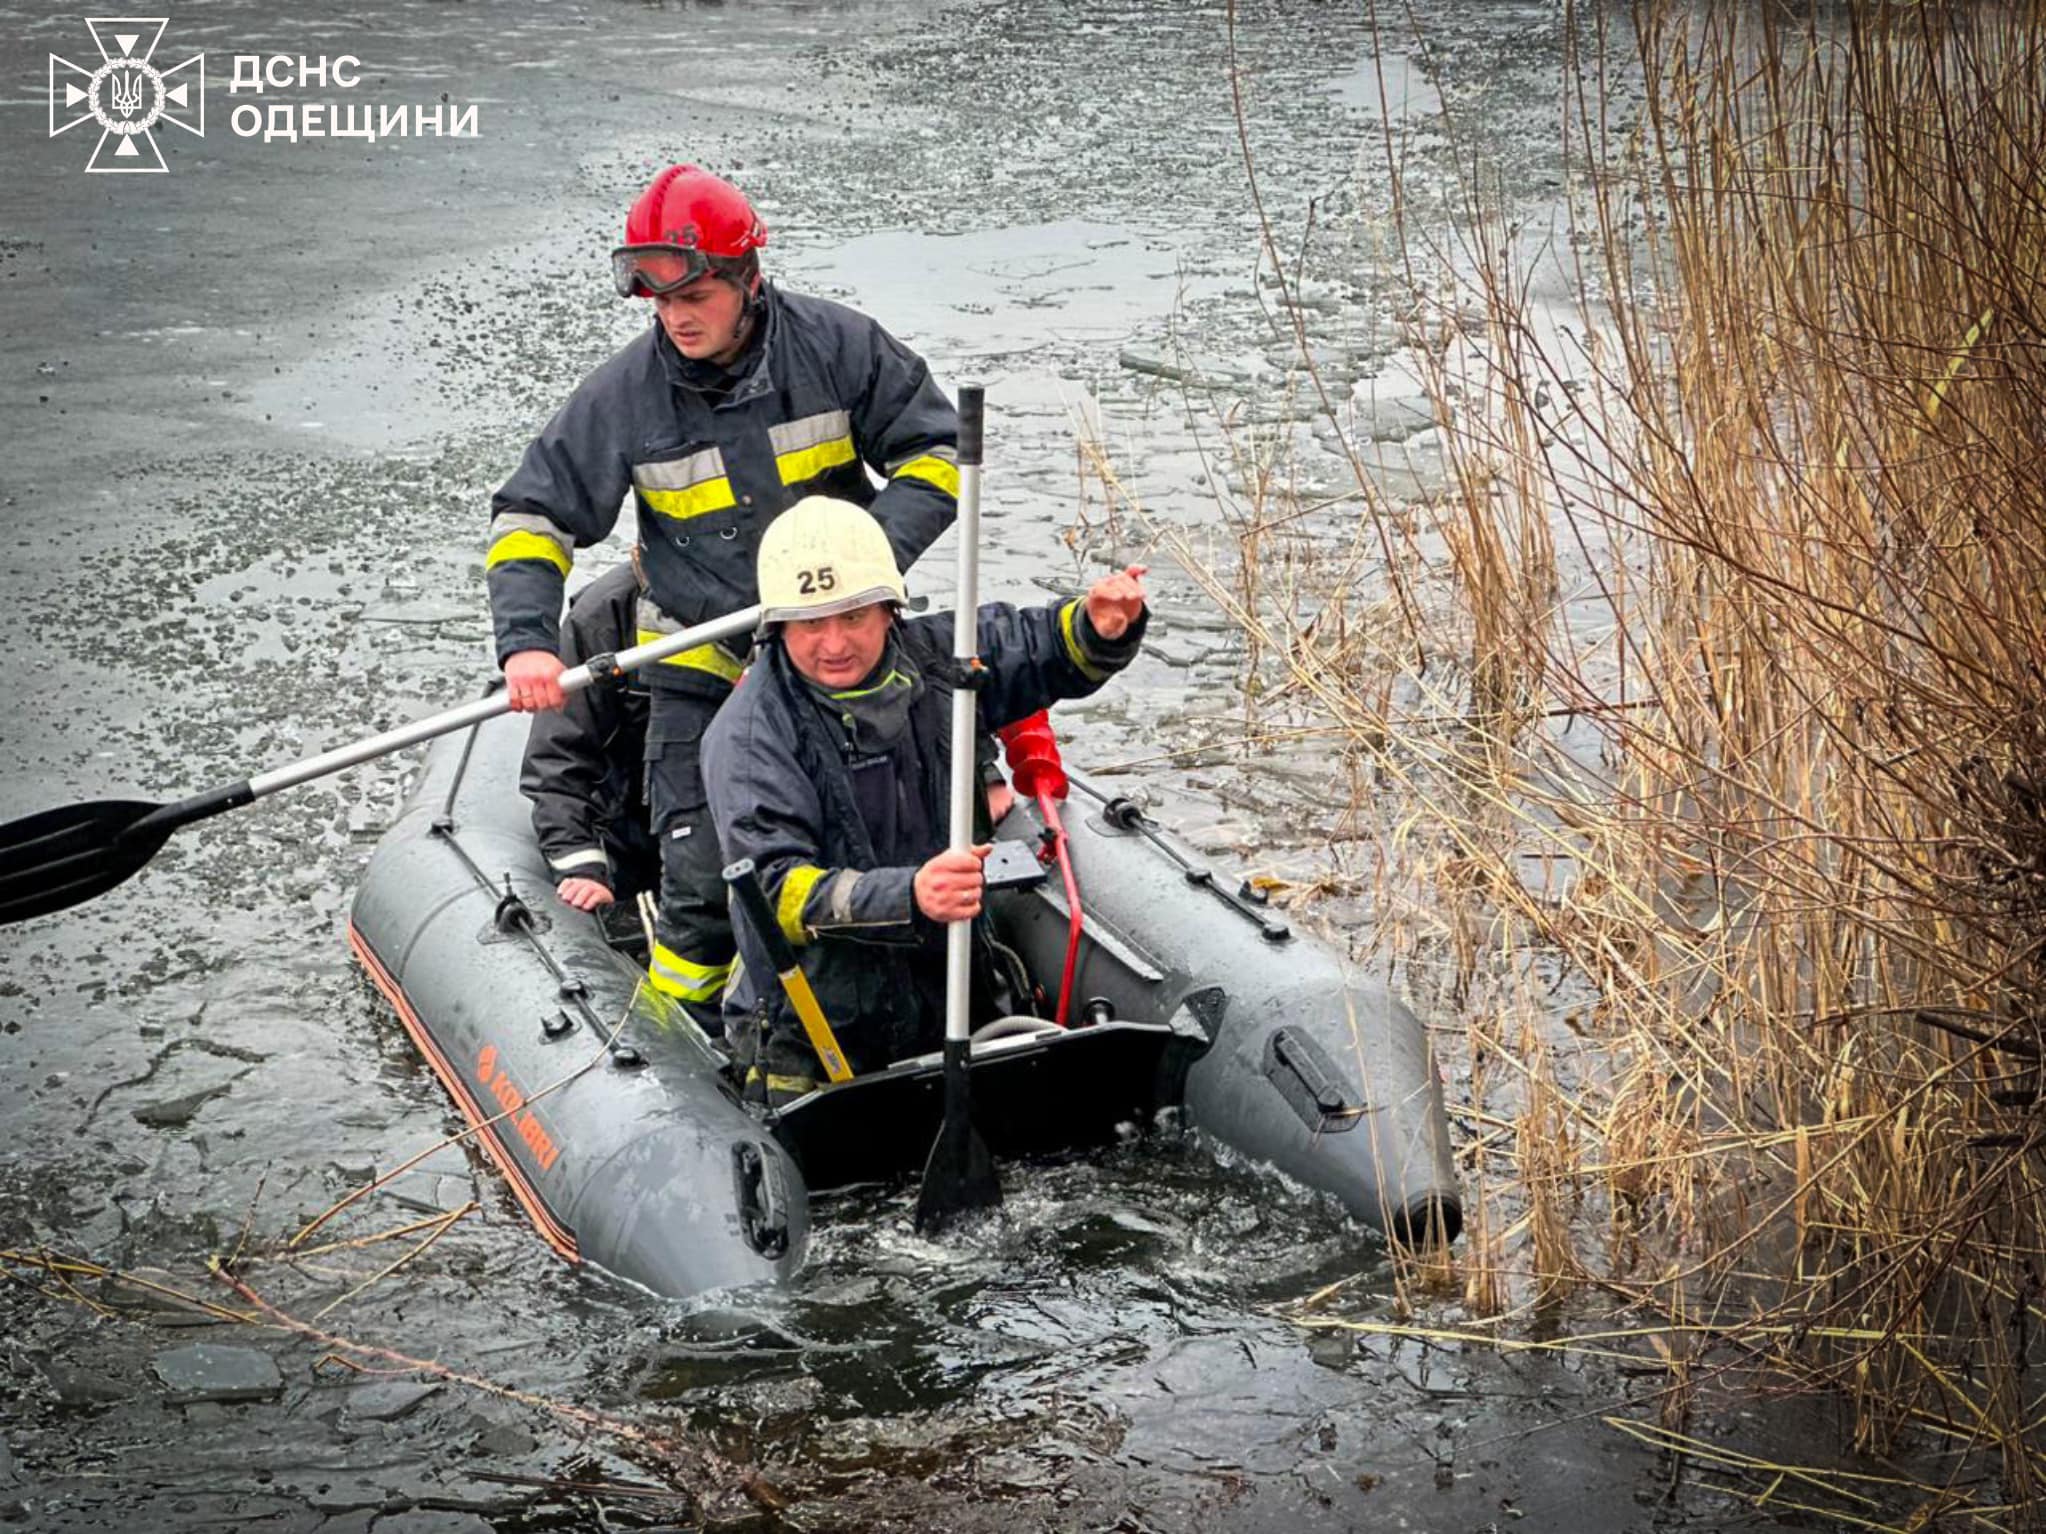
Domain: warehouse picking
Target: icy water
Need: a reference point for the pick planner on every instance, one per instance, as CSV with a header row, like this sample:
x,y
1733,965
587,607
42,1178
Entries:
x,y
253,412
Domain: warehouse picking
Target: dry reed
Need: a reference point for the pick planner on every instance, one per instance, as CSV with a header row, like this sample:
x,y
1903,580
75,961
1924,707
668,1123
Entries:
x,y
1705,708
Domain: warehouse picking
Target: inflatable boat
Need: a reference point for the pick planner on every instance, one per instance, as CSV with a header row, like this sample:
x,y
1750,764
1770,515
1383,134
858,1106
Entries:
x,y
620,1131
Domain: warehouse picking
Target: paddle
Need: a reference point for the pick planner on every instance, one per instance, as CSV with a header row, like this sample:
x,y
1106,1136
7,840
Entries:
x,y
960,1174
67,856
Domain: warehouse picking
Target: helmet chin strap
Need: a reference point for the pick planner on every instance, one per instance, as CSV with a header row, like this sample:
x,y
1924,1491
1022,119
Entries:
x,y
750,317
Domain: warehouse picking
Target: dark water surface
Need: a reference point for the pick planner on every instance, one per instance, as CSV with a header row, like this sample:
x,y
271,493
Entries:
x,y
253,411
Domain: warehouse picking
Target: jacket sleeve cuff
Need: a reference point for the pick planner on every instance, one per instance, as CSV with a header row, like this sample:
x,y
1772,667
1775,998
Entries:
x,y
1107,655
875,905
580,863
529,634
525,605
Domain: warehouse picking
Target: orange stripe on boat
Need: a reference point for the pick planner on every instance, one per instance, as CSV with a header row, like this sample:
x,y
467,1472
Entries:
x,y
557,1235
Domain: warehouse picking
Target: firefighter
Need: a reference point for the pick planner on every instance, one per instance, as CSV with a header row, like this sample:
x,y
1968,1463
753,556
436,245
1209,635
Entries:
x,y
585,764
830,768
737,401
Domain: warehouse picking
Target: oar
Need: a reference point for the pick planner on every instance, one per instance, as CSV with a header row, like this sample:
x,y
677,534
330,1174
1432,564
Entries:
x,y
960,1174
67,856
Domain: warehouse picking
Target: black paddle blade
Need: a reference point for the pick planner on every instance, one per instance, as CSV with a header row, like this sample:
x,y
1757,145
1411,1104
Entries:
x,y
66,857
959,1177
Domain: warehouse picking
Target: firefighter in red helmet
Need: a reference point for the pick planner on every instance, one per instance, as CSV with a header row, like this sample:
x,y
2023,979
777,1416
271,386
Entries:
x,y
738,401
687,226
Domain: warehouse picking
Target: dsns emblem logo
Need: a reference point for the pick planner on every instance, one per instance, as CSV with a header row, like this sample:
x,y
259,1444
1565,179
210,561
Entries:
x,y
127,95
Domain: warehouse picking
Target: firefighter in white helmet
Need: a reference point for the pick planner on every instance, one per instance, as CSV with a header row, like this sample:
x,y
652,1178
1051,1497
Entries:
x,y
830,769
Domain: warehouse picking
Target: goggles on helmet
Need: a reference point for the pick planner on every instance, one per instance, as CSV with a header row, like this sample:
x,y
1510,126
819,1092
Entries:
x,y
645,270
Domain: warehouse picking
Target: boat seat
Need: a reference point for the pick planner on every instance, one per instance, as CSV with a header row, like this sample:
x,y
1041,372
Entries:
x,y
1002,1033
1040,1089
1014,1028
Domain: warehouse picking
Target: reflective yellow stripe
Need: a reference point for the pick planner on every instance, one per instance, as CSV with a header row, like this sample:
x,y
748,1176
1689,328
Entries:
x,y
697,501
705,657
685,979
779,1083
526,546
809,462
507,524
796,885
932,470
808,431
1088,669
709,991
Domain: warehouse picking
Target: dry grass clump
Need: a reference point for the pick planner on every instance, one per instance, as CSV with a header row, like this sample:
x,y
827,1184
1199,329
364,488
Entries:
x,y
1724,692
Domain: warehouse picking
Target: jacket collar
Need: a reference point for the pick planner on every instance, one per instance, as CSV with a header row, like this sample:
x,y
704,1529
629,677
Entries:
x,y
874,713
752,376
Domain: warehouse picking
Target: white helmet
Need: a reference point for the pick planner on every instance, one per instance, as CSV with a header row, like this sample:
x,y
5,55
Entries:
x,y
824,556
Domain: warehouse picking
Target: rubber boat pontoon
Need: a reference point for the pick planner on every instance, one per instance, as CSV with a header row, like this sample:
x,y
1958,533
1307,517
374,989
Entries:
x,y
1190,993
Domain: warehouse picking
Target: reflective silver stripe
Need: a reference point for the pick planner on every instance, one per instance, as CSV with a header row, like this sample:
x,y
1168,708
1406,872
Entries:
x,y
719,659
591,857
838,904
680,473
532,522
810,431
944,454
841,895
649,616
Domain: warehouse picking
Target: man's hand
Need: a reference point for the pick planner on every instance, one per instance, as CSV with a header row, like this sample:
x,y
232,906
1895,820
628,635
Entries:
x,y
584,894
948,887
1114,602
533,679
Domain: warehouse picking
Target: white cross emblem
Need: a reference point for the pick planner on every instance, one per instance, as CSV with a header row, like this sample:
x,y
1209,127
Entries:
x,y
127,95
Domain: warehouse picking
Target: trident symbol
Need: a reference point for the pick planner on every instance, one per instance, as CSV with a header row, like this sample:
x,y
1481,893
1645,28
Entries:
x,y
127,93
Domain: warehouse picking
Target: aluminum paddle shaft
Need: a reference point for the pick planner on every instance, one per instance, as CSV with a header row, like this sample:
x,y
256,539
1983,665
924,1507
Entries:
x,y
64,857
960,1174
965,704
575,679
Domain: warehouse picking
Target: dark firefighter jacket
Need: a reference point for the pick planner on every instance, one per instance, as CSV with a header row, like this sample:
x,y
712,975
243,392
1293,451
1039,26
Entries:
x,y
838,839
585,763
711,458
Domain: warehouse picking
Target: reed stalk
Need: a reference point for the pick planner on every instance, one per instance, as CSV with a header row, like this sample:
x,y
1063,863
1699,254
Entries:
x,y
1705,709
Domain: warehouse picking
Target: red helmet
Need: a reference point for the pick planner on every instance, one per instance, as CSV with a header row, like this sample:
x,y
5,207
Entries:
x,y
687,223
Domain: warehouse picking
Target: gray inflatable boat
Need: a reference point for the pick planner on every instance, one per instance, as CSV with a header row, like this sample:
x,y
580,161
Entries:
x,y
620,1132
